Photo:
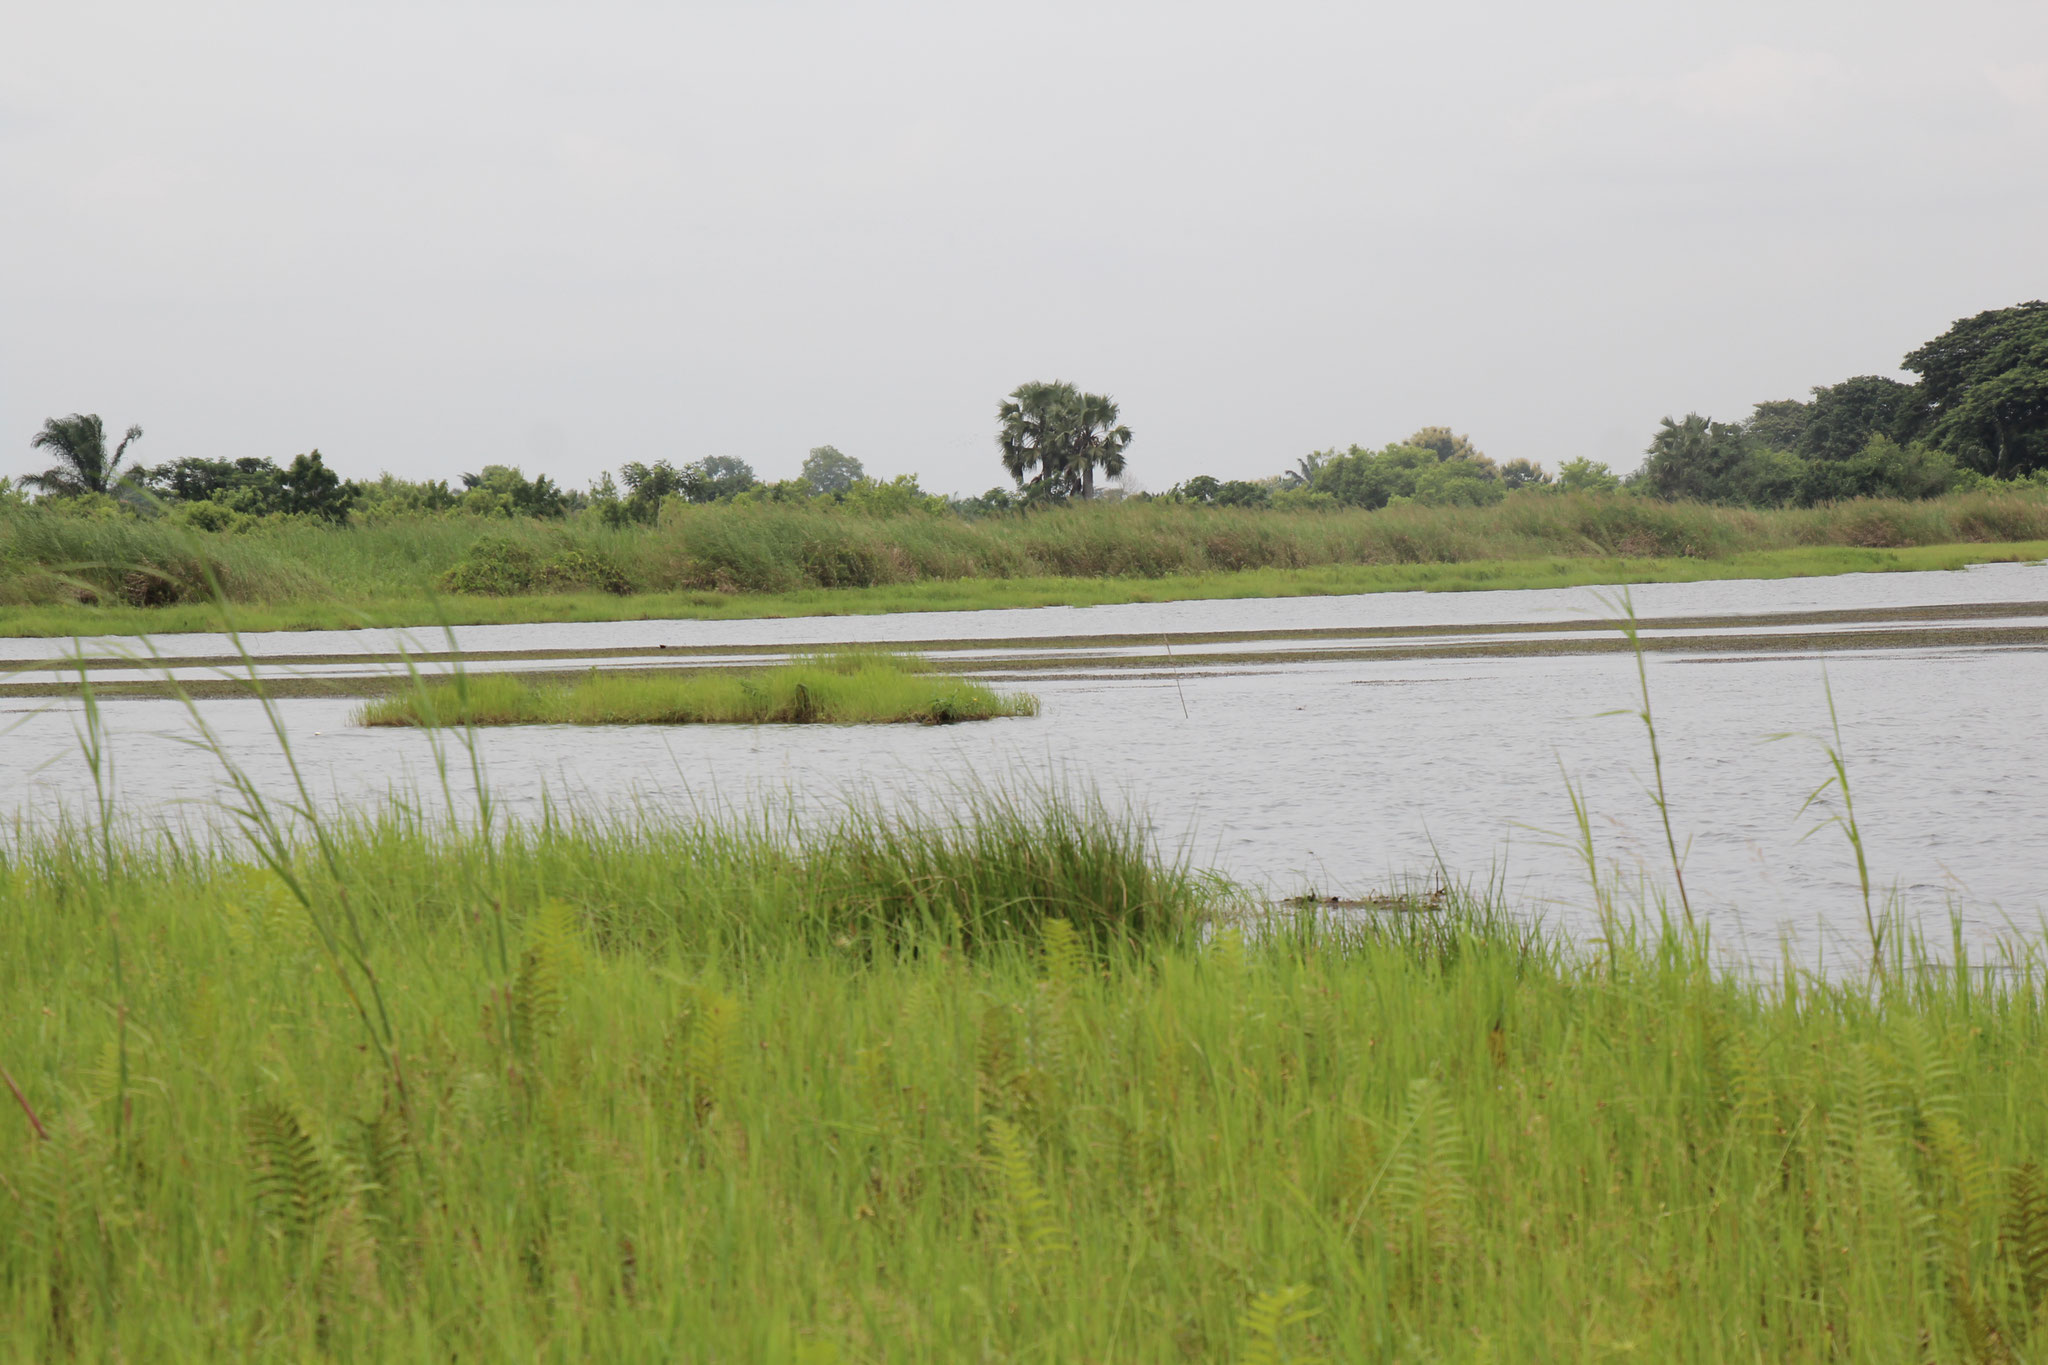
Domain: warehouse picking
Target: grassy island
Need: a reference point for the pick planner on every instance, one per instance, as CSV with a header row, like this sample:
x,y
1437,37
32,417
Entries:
x,y
849,689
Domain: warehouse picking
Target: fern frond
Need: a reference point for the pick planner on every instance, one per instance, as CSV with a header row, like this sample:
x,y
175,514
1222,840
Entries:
x,y
551,957
295,1181
1426,1175
1266,1322
1066,958
2024,1229
700,1050
1034,1224
995,1055
1931,1077
1227,955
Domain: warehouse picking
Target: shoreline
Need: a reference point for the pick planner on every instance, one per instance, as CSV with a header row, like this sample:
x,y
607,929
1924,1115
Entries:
x,y
977,594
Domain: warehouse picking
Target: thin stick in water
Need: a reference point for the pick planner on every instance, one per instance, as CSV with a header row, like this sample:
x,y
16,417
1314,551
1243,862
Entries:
x,y
1176,675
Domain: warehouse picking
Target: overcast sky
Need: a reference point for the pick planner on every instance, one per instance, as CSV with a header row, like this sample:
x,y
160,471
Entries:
x,y
424,237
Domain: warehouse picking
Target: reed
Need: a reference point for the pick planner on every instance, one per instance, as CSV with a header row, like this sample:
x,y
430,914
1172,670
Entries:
x,y
66,575
849,689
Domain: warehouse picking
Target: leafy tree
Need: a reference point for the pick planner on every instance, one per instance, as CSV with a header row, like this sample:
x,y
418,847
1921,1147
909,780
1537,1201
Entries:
x,y
1983,393
1522,474
249,485
993,501
828,471
310,488
1882,469
1765,478
605,501
1778,423
1448,473
891,498
1448,445
389,496
1201,488
716,477
1586,476
505,491
1243,493
1453,483
80,444
1693,460
1843,417
647,486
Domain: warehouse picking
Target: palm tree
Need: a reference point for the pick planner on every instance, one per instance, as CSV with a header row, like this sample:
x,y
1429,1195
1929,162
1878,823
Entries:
x,y
80,444
1303,475
1036,428
1098,439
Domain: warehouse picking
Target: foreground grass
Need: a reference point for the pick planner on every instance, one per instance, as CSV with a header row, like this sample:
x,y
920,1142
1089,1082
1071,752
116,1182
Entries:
x,y
640,1091
851,689
60,621
63,577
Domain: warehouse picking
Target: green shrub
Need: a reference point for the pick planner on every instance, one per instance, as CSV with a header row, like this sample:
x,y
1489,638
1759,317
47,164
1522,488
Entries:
x,y
502,566
496,566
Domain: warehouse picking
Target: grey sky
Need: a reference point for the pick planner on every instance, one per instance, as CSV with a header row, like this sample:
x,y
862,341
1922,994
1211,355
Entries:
x,y
424,237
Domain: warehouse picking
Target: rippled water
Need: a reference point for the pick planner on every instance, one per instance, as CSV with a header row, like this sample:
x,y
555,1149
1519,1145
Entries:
x,y
1337,774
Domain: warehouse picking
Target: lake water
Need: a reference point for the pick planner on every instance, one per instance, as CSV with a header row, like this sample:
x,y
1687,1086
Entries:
x,y
1343,761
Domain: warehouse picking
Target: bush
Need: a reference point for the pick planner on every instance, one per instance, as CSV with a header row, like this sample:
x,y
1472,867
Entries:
x,y
211,516
499,566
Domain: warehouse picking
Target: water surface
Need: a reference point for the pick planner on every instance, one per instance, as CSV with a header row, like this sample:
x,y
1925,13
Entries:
x,y
1303,770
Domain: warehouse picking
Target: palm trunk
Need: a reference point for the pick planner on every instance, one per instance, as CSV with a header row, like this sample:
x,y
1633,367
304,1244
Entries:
x,y
1087,478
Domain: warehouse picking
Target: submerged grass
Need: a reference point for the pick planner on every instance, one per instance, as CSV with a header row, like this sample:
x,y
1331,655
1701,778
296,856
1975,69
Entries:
x,y
61,576
849,689
976,1090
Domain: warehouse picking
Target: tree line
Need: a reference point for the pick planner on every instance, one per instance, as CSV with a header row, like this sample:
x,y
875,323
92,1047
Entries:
x,y
1976,411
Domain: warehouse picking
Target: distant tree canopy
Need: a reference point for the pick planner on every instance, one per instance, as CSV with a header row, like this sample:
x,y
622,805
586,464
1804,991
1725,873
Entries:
x,y
1066,434
1980,409
251,487
502,490
828,471
1435,466
1983,391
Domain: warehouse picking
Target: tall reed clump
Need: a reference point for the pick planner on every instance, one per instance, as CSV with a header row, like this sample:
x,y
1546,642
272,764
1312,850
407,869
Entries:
x,y
846,689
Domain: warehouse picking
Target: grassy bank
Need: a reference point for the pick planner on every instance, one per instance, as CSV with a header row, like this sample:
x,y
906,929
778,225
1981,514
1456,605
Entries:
x,y
851,689
63,577
631,1091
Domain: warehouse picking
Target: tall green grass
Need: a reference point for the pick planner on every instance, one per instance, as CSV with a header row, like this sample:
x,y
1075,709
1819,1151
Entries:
x,y
930,1092
849,689
723,551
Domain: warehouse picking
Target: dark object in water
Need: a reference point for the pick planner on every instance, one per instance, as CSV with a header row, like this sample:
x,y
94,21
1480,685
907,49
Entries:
x,y
1433,900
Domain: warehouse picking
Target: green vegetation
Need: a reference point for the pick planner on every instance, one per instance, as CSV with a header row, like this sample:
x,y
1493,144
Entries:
x,y
1008,1085
629,1091
63,575
843,689
1977,417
